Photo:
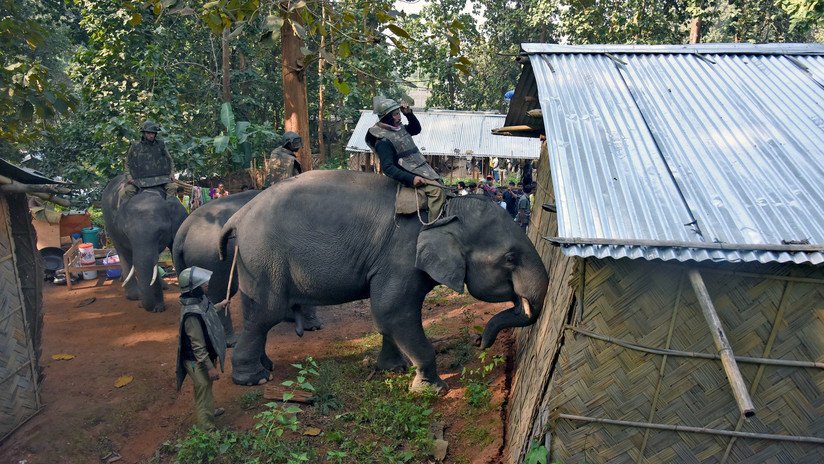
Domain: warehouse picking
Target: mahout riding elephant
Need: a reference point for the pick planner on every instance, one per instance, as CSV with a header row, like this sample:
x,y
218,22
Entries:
x,y
141,227
330,237
196,244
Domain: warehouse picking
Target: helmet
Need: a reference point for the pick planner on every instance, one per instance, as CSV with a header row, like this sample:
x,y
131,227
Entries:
x,y
384,106
292,141
149,126
193,277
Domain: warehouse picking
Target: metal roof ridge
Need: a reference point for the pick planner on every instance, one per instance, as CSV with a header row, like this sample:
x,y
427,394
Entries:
x,y
813,49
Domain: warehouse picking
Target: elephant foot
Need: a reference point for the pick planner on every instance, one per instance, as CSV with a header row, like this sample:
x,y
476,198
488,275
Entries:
x,y
420,385
156,309
393,365
258,378
267,363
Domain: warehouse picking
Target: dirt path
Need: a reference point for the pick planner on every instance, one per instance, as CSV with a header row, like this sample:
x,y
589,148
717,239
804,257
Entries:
x,y
87,419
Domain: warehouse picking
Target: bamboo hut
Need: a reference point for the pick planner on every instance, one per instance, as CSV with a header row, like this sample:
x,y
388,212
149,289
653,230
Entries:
x,y
682,224
21,300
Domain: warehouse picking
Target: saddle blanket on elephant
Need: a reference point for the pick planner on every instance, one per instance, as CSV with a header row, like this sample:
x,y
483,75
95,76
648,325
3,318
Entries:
x,y
406,203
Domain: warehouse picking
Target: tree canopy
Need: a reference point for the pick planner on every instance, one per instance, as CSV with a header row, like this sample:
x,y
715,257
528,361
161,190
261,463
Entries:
x,y
78,77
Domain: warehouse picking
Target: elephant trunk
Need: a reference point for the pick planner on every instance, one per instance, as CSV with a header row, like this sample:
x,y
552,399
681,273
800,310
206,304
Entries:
x,y
151,291
530,287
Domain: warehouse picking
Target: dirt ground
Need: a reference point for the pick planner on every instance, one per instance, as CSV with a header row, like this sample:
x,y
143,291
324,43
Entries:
x,y
86,419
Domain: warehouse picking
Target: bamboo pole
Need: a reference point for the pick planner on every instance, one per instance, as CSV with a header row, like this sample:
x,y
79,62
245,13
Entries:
x,y
687,428
695,354
739,388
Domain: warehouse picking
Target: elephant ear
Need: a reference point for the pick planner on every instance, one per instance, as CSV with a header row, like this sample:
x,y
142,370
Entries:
x,y
439,253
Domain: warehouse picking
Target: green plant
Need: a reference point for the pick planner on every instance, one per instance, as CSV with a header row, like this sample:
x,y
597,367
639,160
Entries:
x,y
250,400
236,137
336,456
202,446
537,454
477,392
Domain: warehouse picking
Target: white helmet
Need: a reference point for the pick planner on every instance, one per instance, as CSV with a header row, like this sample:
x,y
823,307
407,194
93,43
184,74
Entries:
x,y
193,277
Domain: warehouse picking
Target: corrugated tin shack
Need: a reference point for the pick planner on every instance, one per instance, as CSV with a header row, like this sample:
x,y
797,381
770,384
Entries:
x,y
683,235
455,136
21,299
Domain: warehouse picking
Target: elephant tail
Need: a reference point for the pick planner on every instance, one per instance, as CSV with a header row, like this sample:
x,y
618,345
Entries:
x,y
226,234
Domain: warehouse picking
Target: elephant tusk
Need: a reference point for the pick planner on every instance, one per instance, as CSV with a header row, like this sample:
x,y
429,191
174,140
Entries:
x,y
527,307
128,277
154,275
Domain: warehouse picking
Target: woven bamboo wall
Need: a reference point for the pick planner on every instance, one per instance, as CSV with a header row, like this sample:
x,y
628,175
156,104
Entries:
x,y
18,368
537,344
652,304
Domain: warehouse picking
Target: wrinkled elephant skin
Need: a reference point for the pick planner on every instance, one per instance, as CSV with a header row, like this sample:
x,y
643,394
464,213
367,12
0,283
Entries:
x,y
330,237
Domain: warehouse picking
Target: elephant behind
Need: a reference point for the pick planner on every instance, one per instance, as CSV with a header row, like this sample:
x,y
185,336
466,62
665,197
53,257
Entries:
x,y
141,228
339,240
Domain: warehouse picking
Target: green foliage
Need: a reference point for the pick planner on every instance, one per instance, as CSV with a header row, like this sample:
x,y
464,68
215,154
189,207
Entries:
x,y
31,93
237,138
384,423
250,399
203,446
477,392
537,454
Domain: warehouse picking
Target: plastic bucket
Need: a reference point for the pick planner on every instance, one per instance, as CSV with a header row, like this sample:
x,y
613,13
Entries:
x,y
89,275
91,235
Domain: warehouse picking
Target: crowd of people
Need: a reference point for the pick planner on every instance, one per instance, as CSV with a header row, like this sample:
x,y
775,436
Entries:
x,y
516,199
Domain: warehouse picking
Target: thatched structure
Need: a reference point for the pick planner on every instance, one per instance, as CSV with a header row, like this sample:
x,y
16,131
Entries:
x,y
21,300
625,340
683,236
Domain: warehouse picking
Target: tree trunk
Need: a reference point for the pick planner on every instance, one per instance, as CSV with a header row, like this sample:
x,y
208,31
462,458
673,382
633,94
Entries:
x,y
227,54
295,103
695,31
321,64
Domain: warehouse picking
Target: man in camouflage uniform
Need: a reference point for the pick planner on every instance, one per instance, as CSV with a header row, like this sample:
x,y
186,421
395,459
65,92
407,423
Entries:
x,y
201,344
399,156
149,164
283,162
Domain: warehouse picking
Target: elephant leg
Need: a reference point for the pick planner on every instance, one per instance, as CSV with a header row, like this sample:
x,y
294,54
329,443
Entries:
x,y
247,366
157,289
390,357
225,315
398,317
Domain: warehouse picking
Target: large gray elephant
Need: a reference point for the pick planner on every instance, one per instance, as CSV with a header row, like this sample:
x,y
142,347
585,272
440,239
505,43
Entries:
x,y
196,244
141,228
330,237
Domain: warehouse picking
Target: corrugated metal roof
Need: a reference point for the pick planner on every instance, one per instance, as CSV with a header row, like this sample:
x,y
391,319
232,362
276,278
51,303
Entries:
x,y
445,131
24,175
722,144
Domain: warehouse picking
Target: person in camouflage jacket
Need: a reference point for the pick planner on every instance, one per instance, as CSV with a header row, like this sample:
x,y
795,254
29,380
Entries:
x,y
149,164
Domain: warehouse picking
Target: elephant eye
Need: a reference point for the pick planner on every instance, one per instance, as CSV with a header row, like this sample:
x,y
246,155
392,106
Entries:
x,y
511,258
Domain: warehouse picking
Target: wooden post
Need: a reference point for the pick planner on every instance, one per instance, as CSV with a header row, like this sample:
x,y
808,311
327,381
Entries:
x,y
295,103
695,30
226,68
739,388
